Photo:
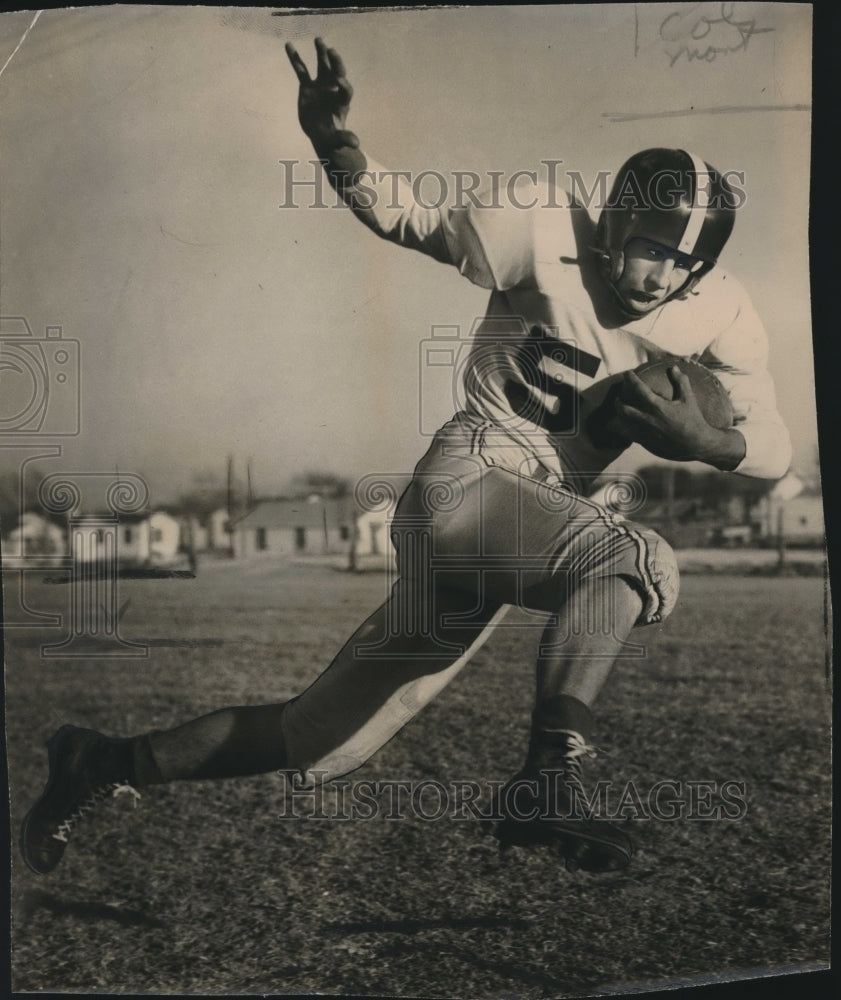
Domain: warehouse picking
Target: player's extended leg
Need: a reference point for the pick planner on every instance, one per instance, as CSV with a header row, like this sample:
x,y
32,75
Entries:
x,y
386,672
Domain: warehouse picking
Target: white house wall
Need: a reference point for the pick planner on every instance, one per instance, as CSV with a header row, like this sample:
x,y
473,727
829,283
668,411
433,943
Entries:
x,y
164,537
283,542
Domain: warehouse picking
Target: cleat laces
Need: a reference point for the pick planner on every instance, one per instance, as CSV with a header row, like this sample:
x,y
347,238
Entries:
x,y
565,760
571,753
113,788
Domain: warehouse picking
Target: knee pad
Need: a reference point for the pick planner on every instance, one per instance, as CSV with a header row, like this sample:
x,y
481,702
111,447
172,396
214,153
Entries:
x,y
655,574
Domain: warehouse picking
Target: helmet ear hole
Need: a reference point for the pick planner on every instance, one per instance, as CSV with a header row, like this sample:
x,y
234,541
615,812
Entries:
x,y
612,263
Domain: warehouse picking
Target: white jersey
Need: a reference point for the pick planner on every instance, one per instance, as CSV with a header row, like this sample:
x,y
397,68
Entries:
x,y
553,336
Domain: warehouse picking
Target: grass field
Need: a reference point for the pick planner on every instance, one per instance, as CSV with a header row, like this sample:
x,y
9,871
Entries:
x,y
204,888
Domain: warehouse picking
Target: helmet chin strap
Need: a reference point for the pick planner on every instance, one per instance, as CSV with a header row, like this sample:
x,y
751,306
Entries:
x,y
624,308
613,264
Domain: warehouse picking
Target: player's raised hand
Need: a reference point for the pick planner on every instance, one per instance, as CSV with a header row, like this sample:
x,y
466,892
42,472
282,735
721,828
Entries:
x,y
323,102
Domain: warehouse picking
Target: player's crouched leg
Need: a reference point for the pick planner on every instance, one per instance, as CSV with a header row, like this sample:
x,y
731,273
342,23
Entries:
x,y
619,575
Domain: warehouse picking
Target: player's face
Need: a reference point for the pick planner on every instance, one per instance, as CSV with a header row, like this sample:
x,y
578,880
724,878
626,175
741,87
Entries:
x,y
652,273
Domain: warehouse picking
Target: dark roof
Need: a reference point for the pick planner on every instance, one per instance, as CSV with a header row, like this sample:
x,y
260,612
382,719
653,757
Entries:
x,y
297,513
133,517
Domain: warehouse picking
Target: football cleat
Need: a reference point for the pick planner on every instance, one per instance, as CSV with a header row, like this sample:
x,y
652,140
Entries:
x,y
545,804
85,768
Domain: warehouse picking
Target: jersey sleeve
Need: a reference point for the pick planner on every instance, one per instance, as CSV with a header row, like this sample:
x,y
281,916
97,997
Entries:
x,y
488,237
739,357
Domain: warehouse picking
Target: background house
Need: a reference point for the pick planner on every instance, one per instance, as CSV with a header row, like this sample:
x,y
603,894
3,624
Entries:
x,y
372,548
193,533
164,537
218,536
800,519
35,536
140,539
311,526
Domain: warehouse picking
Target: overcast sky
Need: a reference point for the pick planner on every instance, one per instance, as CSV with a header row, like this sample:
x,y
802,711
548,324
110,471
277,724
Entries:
x,y
141,181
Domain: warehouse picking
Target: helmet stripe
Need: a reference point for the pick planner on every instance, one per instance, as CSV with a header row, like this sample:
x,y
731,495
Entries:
x,y
700,203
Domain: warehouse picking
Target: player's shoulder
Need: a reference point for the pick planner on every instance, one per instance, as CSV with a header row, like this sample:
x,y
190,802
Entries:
x,y
523,193
720,297
522,219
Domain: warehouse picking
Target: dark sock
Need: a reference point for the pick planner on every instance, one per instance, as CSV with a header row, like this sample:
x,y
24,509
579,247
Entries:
x,y
551,717
563,712
144,769
229,743
114,760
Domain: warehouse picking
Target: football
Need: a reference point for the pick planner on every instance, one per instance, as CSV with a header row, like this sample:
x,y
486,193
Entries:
x,y
711,395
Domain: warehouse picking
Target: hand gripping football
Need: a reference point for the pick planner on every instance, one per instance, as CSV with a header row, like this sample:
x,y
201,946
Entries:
x,y
711,395
604,425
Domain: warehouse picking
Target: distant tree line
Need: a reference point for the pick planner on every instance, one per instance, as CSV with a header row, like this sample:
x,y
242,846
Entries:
x,y
713,490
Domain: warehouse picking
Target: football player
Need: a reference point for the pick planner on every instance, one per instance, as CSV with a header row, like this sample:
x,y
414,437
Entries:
x,y
496,513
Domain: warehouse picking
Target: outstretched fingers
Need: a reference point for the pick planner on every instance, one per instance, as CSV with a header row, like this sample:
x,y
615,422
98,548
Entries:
x,y
336,64
323,58
340,74
323,102
330,68
298,64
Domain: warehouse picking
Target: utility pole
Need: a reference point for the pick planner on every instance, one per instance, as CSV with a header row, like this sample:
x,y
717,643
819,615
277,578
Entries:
x,y
781,537
231,505
354,542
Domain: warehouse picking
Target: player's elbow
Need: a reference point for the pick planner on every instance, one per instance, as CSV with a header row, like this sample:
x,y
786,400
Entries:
x,y
779,458
779,469
768,450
